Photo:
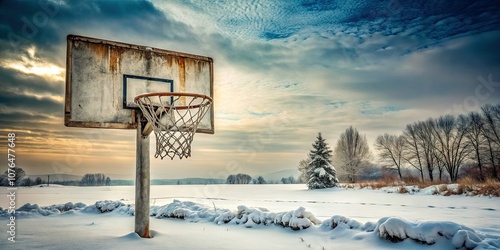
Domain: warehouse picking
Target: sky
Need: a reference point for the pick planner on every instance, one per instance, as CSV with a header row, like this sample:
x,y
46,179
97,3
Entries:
x,y
283,71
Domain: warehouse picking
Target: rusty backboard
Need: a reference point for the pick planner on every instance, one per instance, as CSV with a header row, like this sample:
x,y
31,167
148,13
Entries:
x,y
103,77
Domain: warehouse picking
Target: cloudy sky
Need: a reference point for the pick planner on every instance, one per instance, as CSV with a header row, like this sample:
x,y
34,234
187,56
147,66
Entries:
x,y
284,71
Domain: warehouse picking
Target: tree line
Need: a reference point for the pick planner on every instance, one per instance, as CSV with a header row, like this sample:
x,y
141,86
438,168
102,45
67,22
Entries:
x,y
445,145
20,179
437,148
95,180
247,179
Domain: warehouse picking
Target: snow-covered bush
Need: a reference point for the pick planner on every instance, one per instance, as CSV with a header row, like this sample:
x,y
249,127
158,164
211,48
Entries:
x,y
186,210
342,221
29,209
108,206
396,229
224,218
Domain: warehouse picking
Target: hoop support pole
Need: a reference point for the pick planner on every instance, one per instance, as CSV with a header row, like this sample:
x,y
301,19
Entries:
x,y
142,181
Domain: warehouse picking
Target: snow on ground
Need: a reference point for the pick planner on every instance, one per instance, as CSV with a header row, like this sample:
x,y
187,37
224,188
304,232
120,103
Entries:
x,y
254,216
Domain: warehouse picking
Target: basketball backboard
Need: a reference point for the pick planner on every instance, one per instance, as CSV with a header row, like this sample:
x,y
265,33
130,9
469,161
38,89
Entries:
x,y
103,77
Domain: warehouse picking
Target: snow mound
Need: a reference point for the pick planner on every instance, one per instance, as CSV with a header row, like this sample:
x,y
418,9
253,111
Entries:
x,y
29,209
186,210
342,221
440,189
108,206
296,219
392,229
401,189
249,217
397,229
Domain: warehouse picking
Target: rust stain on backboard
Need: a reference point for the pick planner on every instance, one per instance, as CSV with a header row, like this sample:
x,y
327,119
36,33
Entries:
x,y
182,74
168,59
199,65
100,50
182,79
114,59
148,56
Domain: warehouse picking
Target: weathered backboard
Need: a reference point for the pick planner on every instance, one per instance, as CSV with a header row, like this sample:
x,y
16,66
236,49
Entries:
x,y
103,77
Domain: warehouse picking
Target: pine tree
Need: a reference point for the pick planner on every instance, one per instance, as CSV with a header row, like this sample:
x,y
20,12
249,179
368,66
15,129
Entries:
x,y
320,171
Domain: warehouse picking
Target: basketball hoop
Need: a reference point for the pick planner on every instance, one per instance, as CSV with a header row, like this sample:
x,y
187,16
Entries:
x,y
174,117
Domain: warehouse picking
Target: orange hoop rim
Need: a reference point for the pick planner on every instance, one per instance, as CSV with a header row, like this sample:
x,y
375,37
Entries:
x,y
159,94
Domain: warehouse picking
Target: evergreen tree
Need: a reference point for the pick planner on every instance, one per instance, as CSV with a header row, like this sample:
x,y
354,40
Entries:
x,y
320,172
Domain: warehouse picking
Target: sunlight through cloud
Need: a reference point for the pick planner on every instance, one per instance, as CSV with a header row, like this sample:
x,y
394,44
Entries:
x,y
35,66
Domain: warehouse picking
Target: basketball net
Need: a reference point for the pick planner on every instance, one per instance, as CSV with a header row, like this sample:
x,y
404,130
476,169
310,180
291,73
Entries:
x,y
174,118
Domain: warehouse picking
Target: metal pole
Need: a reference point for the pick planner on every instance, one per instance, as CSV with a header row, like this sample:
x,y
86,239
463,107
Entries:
x,y
142,181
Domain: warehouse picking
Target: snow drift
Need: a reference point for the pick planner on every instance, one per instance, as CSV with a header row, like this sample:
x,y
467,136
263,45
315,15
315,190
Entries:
x,y
392,229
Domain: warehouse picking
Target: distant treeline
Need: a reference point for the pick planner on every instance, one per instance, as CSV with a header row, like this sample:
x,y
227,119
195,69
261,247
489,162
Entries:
x,y
99,179
20,179
247,179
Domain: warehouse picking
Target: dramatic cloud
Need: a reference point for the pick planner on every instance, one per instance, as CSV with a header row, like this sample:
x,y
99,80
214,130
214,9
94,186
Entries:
x,y
284,70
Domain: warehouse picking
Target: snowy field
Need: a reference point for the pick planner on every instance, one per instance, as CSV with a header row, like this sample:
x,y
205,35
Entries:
x,y
214,219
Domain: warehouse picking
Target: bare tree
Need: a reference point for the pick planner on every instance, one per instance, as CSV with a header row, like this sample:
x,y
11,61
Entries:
x,y
390,148
452,147
492,122
426,141
352,153
304,177
491,132
475,136
440,164
412,150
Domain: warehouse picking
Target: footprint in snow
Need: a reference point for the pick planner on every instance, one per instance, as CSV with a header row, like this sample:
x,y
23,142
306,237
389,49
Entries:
x,y
489,209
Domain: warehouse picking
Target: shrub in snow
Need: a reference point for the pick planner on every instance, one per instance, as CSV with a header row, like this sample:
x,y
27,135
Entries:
x,y
251,216
371,226
66,207
224,218
127,209
396,229
342,221
28,208
302,219
35,209
467,239
296,220
186,210
108,206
